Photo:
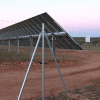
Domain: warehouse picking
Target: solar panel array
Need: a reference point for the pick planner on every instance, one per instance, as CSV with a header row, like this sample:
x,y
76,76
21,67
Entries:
x,y
33,27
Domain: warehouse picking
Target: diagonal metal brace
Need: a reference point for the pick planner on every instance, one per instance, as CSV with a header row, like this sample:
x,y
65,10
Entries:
x,y
56,63
29,66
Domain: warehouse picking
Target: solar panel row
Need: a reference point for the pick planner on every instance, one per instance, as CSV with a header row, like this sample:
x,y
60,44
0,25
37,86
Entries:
x,y
33,26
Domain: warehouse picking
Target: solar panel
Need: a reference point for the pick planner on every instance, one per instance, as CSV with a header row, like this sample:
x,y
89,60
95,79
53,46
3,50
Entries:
x,y
33,26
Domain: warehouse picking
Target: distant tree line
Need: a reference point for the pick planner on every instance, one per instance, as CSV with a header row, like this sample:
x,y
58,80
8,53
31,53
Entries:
x,y
93,40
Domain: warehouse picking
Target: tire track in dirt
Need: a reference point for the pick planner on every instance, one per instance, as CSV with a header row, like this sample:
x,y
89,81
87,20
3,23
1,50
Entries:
x,y
91,65
83,71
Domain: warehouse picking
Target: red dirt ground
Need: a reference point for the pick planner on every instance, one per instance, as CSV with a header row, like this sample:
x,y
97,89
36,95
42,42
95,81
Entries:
x,y
82,68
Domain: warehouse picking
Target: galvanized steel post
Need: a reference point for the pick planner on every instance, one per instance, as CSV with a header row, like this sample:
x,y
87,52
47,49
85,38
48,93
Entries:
x,y
2,45
8,45
43,70
31,46
17,45
53,44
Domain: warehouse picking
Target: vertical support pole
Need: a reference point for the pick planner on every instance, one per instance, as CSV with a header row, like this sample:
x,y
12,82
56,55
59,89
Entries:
x,y
8,45
65,41
3,45
31,46
43,71
17,45
53,44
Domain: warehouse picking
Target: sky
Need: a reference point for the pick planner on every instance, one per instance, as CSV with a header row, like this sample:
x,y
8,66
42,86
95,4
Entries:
x,y
75,16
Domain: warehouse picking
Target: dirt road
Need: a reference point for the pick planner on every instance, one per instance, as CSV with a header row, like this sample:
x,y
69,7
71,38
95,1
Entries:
x,y
80,69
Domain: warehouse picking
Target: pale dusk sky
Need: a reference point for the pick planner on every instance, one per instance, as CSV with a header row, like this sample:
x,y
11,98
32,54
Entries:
x,y
68,13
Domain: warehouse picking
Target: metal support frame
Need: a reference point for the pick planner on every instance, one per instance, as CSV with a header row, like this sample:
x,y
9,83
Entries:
x,y
8,45
31,46
17,45
43,69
